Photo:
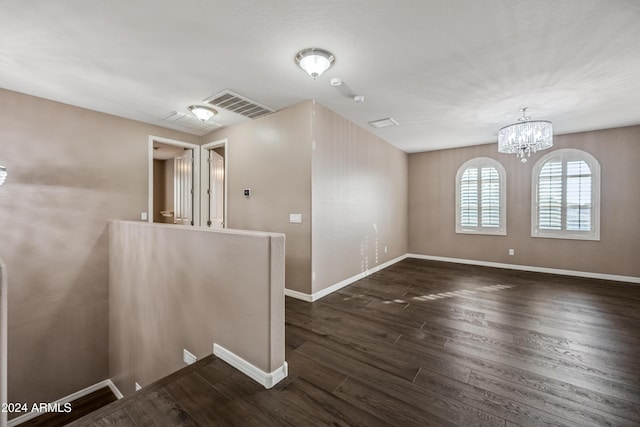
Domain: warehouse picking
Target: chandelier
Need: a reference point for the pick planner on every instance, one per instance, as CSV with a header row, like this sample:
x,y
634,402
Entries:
x,y
525,137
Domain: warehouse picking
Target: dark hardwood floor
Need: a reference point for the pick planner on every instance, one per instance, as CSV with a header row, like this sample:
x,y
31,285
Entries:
x,y
426,343
79,408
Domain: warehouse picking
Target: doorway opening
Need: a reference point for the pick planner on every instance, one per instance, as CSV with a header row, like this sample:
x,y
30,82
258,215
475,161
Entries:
x,y
213,177
173,182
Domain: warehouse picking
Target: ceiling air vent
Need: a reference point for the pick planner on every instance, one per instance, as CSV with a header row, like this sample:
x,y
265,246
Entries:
x,y
191,122
238,104
383,123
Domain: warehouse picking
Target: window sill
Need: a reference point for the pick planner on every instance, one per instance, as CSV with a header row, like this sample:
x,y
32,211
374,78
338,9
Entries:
x,y
566,236
482,232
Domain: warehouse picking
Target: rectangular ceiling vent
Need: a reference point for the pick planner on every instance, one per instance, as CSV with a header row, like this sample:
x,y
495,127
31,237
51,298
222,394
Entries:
x,y
239,104
383,123
191,122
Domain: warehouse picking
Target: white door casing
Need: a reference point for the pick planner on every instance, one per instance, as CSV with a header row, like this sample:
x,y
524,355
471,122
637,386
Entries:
x,y
216,190
206,175
195,183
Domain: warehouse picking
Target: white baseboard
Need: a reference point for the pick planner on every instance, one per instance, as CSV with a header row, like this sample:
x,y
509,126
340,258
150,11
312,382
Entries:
x,y
298,295
114,389
266,379
70,398
561,272
326,291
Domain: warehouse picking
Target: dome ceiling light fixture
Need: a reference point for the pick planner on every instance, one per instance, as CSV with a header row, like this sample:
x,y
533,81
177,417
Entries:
x,y
202,113
315,61
525,137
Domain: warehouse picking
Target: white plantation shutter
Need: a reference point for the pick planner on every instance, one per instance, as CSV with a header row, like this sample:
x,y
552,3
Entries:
x,y
469,198
550,196
566,205
578,196
490,196
480,197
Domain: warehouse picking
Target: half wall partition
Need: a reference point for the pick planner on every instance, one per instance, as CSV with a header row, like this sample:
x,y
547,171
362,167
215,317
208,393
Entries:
x,y
174,288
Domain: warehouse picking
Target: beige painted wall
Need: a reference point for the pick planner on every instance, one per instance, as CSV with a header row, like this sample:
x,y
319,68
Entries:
x,y
432,208
70,171
272,156
178,296
359,199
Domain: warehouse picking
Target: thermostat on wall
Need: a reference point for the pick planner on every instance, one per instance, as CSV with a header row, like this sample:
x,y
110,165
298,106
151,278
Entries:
x,y
247,192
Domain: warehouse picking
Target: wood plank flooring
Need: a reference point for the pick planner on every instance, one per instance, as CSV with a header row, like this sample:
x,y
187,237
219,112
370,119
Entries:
x,y
426,343
80,407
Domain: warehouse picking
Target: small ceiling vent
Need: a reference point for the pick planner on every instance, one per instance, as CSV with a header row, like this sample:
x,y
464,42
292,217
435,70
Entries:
x,y
238,104
191,122
383,123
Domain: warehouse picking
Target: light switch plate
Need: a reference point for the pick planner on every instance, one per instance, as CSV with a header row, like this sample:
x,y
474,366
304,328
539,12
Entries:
x,y
295,218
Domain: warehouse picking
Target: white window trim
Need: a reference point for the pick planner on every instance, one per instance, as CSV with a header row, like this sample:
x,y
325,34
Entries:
x,y
563,154
493,231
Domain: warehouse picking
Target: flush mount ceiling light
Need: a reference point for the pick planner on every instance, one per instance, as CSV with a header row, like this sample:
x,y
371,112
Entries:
x,y
525,137
202,113
3,174
315,61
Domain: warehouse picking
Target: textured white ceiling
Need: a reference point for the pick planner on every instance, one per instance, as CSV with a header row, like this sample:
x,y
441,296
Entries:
x,y
450,72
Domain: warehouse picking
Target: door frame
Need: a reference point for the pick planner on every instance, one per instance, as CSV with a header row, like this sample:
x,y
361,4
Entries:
x,y
196,173
204,177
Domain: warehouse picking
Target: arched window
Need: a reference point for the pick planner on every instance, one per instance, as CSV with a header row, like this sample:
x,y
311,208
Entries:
x,y
481,197
566,196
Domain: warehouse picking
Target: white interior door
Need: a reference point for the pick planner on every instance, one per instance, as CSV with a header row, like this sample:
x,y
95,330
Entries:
x,y
183,188
216,190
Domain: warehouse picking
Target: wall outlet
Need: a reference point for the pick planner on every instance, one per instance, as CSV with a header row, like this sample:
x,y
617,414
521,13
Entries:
x,y
188,357
385,249
143,216
138,387
295,218
512,252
